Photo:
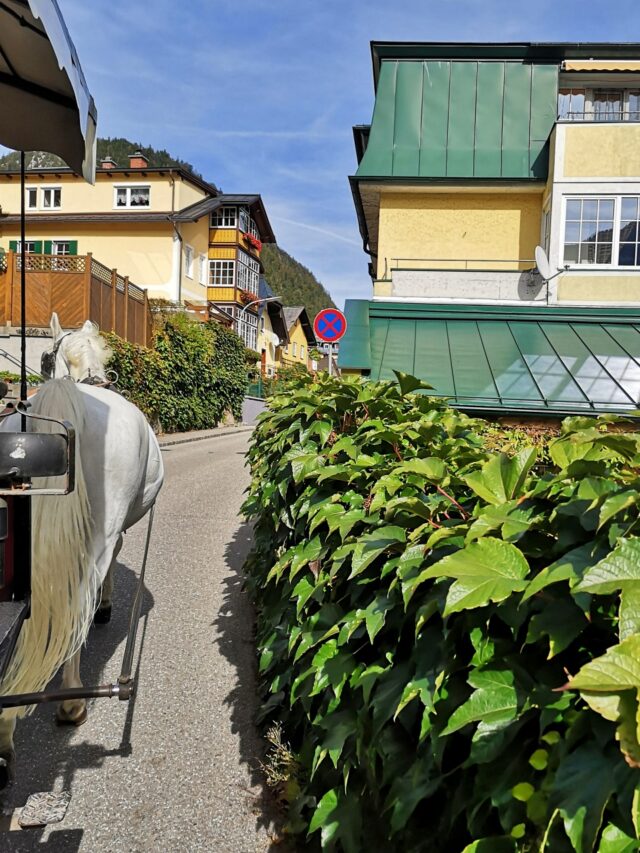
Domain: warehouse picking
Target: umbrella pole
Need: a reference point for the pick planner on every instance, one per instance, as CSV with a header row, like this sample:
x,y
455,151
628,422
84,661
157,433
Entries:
x,y
23,289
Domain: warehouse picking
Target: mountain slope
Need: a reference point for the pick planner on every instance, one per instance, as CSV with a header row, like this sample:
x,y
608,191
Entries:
x,y
293,282
117,147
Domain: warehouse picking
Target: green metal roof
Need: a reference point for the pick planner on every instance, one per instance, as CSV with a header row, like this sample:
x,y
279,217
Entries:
x,y
544,361
461,119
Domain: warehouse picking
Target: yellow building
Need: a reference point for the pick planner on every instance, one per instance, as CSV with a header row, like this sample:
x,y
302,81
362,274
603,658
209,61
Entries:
x,y
498,198
167,229
272,330
301,338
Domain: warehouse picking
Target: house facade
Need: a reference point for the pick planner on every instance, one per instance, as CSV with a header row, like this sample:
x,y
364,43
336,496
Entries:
x,y
301,339
272,330
167,229
475,156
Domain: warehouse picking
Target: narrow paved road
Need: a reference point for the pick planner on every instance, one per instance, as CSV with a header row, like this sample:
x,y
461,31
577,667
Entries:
x,y
177,770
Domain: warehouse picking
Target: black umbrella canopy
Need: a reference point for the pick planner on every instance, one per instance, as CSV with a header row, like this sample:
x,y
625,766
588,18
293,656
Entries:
x,y
46,105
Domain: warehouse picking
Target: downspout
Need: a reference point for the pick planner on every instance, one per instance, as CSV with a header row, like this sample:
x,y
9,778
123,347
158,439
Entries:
x,y
176,231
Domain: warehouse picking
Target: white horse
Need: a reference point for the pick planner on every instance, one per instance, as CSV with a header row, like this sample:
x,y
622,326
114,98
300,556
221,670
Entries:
x,y
77,537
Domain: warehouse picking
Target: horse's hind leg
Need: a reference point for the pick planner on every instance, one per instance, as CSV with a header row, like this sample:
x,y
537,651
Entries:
x,y
72,712
103,613
7,752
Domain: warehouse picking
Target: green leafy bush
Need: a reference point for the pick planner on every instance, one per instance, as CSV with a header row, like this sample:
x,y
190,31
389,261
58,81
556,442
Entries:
x,y
193,375
447,639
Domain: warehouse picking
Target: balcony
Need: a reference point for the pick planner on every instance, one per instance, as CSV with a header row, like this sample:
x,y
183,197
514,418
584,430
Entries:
x,y
464,280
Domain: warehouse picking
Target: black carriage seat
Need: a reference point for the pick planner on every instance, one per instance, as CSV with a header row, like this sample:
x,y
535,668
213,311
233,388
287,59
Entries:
x,y
32,454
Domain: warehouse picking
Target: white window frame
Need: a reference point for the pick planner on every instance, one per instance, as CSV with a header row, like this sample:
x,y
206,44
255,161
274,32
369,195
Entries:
x,y
219,264
248,330
189,255
27,193
615,248
222,217
203,268
248,273
129,188
247,224
27,244
50,188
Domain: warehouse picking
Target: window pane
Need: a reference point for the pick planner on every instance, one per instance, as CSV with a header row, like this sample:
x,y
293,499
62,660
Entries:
x,y
630,208
121,196
574,207
605,232
57,197
588,232
607,104
571,232
605,208
139,197
629,232
590,208
587,253
627,254
603,253
571,253
634,105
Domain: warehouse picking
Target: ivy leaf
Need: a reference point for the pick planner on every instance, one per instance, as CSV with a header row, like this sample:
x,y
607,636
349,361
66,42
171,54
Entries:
x,y
617,570
571,566
486,570
561,620
408,384
629,611
581,789
495,700
614,840
495,844
617,503
431,468
407,791
617,669
372,544
501,478
421,687
338,816
375,614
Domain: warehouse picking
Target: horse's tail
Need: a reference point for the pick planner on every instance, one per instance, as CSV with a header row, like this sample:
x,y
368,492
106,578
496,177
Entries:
x,y
64,581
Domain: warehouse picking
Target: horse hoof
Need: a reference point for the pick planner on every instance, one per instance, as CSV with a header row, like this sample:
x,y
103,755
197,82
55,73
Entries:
x,y
74,717
7,772
102,615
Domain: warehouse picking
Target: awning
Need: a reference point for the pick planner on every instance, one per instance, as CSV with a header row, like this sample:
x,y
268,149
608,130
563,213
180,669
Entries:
x,y
46,105
543,361
601,65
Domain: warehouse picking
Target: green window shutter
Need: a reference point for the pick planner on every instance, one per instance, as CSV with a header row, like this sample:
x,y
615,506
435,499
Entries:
x,y
37,247
73,247
47,247
13,245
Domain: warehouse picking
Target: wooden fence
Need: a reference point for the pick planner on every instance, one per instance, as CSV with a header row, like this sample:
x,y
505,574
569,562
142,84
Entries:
x,y
77,288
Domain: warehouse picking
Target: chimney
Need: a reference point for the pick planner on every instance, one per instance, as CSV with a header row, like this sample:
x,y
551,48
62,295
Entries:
x,y
108,163
137,160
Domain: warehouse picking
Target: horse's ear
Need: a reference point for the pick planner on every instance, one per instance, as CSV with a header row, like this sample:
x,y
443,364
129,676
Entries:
x,y
88,327
56,328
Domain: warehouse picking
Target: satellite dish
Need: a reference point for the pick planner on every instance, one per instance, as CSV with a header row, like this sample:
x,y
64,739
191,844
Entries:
x,y
542,262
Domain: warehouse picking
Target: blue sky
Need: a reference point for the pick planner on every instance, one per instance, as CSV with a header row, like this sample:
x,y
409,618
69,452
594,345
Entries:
x,y
261,95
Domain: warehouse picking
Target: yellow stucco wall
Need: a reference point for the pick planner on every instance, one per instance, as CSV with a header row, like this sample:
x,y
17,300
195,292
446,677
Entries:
x,y
196,235
457,226
145,256
297,337
607,150
265,343
80,197
599,288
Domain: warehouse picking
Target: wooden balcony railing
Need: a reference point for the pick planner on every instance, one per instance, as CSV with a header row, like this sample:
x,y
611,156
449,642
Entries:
x,y
77,288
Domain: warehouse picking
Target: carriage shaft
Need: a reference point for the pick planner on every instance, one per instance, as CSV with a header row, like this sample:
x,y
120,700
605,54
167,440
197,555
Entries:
x,y
102,691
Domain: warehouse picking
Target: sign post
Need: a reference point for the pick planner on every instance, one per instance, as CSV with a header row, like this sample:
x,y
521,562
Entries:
x,y
329,326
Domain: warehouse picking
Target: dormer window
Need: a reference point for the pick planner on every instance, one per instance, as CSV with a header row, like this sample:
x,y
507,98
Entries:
x,y
224,217
132,196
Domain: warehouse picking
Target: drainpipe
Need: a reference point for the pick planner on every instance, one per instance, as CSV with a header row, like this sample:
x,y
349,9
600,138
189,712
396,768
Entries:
x,y
177,236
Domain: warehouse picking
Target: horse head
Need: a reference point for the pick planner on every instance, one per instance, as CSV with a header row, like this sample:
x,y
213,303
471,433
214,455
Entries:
x,y
82,354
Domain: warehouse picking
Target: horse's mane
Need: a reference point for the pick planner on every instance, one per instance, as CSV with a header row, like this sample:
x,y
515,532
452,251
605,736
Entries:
x,y
83,349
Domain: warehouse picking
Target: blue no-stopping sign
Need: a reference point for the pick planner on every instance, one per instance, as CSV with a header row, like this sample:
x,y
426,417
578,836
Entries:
x,y
330,325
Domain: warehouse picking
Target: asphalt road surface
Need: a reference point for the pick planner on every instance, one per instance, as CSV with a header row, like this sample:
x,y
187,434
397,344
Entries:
x,y
177,769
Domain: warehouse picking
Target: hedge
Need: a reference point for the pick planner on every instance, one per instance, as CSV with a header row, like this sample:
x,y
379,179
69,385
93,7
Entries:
x,y
194,373
448,636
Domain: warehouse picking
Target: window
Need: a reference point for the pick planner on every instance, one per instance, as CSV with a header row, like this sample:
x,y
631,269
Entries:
x,y
302,351
133,196
294,349
603,231
588,234
224,217
262,324
629,254
599,104
248,329
247,225
221,273
61,247
608,104
202,260
248,272
188,260
31,198
31,247
51,198
571,103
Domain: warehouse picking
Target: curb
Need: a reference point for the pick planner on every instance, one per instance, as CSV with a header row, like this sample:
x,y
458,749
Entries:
x,y
170,440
